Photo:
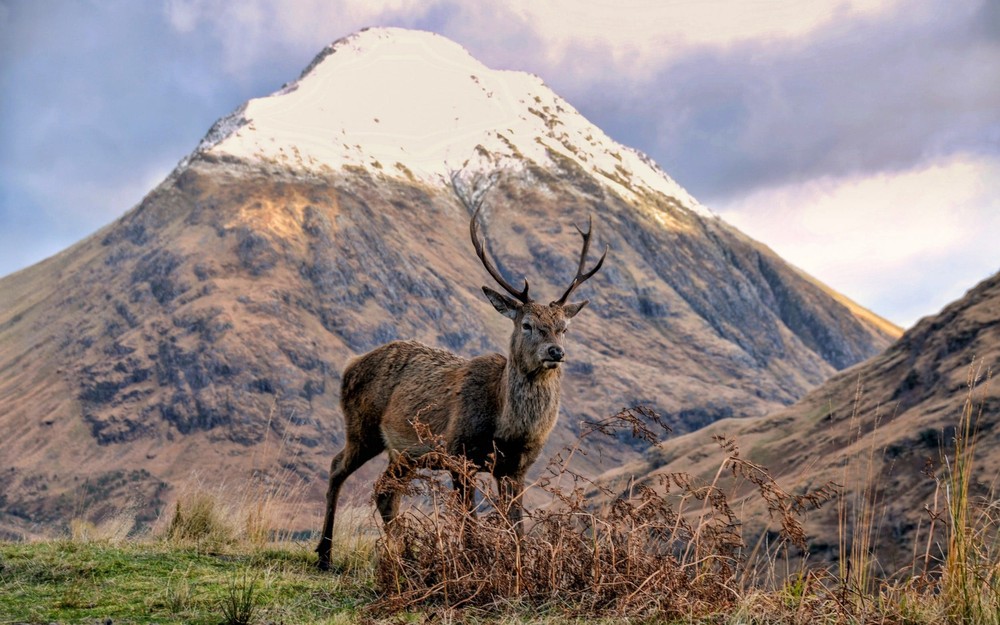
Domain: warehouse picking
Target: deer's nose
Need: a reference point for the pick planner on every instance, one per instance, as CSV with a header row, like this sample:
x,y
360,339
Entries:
x,y
556,352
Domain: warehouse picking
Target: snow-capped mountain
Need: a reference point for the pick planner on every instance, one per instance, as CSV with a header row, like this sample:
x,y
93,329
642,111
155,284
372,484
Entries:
x,y
205,330
415,104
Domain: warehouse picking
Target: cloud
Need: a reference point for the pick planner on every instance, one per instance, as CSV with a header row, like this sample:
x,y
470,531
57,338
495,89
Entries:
x,y
90,113
904,244
878,93
634,37
638,36
253,32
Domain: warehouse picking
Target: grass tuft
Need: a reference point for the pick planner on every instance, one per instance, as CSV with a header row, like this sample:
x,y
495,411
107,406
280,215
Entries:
x,y
200,520
241,603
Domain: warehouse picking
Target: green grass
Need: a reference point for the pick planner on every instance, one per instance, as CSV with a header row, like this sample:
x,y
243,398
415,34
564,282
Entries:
x,y
158,582
149,581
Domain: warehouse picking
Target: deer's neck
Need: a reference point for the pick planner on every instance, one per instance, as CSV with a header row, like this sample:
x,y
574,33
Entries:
x,y
531,403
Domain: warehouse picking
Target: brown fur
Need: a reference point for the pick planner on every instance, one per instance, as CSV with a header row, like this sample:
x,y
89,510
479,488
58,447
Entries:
x,y
496,411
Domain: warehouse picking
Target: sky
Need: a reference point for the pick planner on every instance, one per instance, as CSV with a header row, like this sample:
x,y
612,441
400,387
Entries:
x,y
860,139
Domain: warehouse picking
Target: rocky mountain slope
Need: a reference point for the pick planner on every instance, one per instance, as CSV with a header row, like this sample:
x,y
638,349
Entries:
x,y
201,336
883,426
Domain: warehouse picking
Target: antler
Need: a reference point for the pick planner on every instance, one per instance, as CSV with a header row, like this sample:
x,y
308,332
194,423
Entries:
x,y
522,295
477,242
582,277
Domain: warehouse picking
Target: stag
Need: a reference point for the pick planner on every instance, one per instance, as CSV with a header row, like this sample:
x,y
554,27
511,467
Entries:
x,y
497,411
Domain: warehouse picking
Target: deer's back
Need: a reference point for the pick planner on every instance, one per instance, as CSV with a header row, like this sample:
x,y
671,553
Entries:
x,y
384,391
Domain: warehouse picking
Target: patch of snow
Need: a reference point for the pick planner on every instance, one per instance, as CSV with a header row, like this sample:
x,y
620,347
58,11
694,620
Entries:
x,y
410,103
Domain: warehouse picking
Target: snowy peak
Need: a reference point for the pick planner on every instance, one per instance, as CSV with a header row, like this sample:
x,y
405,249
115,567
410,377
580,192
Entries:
x,y
414,104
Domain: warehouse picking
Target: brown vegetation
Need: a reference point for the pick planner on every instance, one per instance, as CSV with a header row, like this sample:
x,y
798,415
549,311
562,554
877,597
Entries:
x,y
878,425
681,551
672,551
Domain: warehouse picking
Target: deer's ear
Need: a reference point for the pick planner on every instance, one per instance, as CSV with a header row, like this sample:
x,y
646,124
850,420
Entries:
x,y
572,309
506,306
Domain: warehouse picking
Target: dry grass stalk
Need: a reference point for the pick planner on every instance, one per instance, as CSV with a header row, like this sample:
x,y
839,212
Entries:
x,y
971,568
114,529
858,515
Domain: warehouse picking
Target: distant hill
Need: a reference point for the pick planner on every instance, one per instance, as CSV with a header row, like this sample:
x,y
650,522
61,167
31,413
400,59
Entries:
x,y
899,409
204,332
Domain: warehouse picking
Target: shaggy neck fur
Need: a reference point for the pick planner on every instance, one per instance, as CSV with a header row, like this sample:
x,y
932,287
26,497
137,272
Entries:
x,y
531,403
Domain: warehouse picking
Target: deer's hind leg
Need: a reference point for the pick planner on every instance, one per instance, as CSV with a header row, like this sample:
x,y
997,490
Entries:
x,y
389,488
349,460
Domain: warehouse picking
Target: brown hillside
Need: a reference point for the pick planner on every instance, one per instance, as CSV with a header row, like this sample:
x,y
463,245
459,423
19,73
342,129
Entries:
x,y
899,408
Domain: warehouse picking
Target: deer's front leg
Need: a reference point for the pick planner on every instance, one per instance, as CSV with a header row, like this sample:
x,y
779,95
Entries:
x,y
465,486
511,490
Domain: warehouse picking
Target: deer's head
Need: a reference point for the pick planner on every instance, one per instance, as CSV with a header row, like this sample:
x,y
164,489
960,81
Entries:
x,y
536,344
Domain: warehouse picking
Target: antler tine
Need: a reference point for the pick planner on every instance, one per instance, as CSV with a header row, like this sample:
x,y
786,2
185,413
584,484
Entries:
x,y
586,242
582,277
477,242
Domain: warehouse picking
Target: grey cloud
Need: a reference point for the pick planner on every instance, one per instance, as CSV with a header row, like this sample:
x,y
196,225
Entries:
x,y
987,21
93,98
862,96
492,33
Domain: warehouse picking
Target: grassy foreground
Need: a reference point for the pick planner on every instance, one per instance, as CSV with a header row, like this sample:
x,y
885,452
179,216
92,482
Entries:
x,y
676,554
160,582
145,581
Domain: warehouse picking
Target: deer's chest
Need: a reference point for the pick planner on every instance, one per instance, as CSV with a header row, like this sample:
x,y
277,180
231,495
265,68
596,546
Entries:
x,y
529,415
